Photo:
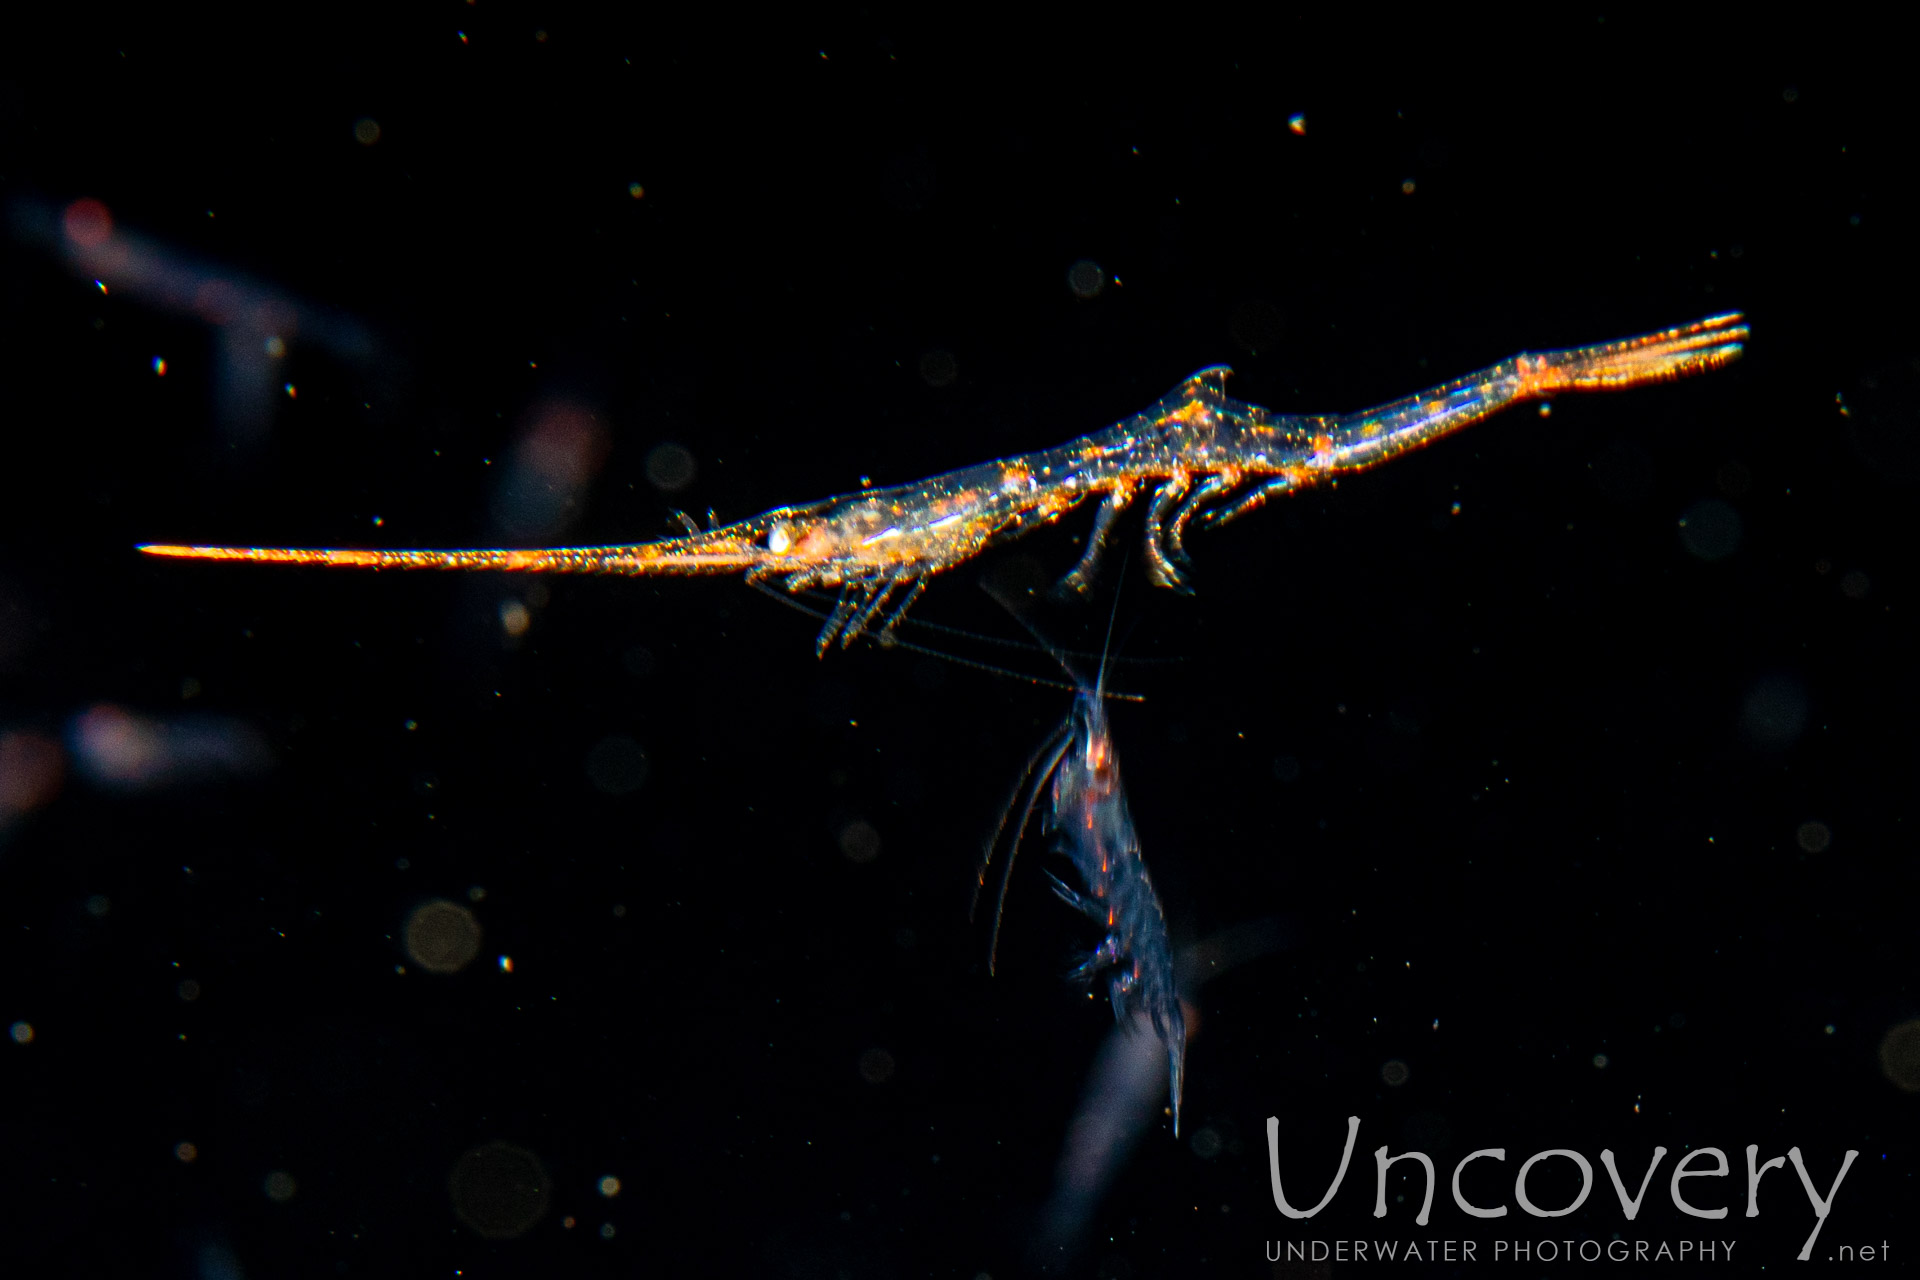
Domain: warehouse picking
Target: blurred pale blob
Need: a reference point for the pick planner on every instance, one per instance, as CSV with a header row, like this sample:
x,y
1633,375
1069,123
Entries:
x,y
442,936
119,750
1900,1055
87,223
499,1190
553,462
1774,712
671,467
1126,1090
1086,279
31,767
1814,837
1710,529
859,841
255,320
617,765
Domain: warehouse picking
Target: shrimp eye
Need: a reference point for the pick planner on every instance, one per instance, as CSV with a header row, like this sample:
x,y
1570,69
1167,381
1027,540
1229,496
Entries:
x,y
779,537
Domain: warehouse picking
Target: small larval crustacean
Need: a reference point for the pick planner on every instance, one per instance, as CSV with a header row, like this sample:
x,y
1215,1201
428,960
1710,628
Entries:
x,y
1196,456
1090,825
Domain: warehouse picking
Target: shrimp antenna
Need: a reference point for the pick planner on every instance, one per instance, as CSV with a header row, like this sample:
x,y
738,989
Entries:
x,y
973,637
888,640
1005,600
1051,751
1113,614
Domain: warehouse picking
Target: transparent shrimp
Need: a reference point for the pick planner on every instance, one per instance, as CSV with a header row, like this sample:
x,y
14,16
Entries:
x,y
1198,456
1090,824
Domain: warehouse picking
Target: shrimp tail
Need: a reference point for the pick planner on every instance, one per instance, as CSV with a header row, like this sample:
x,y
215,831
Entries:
x,y
1654,357
1176,1070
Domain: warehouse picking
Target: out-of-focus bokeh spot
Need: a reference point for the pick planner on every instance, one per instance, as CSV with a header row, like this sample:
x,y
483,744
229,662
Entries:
x,y
939,368
609,1186
1257,326
859,841
1883,424
121,751
1710,529
21,1033
442,936
186,1152
670,467
1623,472
256,320
1900,1055
366,131
1086,279
617,765
279,1186
499,1190
87,223
1814,837
1395,1072
217,1262
31,767
1774,713
876,1066
515,618
555,459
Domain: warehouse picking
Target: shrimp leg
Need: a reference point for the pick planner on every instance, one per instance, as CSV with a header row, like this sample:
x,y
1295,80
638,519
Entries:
x,y
1160,567
1081,576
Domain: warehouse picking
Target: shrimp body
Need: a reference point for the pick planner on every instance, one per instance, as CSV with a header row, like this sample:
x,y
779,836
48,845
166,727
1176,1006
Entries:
x,y
1090,824
1197,455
